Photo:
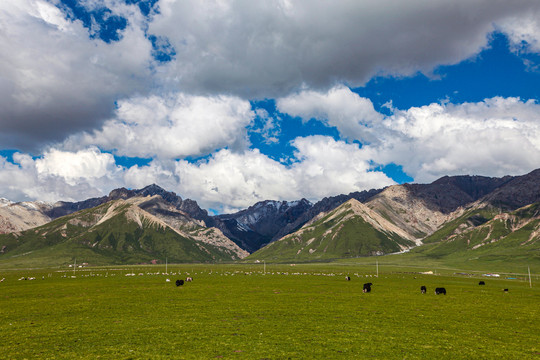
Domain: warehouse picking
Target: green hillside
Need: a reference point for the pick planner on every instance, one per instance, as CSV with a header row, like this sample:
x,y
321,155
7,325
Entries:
x,y
484,235
342,233
111,233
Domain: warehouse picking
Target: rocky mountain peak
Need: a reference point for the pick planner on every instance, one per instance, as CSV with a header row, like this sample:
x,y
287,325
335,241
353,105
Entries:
x,y
154,189
121,193
188,206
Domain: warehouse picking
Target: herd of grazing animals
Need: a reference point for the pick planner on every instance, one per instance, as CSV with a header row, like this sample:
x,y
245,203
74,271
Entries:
x,y
440,290
366,287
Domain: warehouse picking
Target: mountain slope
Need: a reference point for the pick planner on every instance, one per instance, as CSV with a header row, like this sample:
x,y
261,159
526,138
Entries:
x,y
186,226
350,230
405,209
21,216
117,232
484,230
444,215
484,237
420,209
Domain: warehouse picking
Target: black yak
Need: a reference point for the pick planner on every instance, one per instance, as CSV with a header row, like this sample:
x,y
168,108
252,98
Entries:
x,y
367,287
481,283
423,289
440,291
179,282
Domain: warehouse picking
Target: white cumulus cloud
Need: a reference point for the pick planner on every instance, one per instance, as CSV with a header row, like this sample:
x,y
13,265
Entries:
x,y
494,137
176,126
58,81
59,175
230,180
328,167
84,164
351,114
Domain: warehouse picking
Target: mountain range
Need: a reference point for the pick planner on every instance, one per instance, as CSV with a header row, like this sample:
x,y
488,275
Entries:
x,y
133,226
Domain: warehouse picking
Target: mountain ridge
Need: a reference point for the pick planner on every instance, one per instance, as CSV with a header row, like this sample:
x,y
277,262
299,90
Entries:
x,y
420,210
121,231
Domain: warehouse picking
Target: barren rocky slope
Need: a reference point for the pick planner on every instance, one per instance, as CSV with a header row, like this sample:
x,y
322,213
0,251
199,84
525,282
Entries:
x,y
21,216
414,215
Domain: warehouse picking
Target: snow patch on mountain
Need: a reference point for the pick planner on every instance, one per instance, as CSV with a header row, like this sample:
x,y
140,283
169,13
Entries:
x,y
5,202
242,227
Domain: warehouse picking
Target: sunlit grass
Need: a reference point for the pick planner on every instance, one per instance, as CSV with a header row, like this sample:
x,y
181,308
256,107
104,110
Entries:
x,y
238,311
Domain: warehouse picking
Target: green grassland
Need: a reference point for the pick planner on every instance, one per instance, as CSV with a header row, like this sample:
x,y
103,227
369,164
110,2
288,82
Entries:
x,y
241,311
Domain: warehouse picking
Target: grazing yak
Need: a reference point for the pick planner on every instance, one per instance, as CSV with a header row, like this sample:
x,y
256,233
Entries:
x,y
481,283
505,290
189,279
348,278
367,287
440,291
423,289
179,282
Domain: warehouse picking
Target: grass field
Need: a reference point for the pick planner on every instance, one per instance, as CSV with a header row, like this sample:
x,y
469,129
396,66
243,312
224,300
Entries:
x,y
307,311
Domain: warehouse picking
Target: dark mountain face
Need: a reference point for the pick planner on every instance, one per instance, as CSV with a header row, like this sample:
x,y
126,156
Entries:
x,y
258,225
517,192
243,236
63,208
447,194
474,186
267,217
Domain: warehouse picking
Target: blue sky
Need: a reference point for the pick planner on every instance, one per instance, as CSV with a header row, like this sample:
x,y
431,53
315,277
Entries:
x,y
233,102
